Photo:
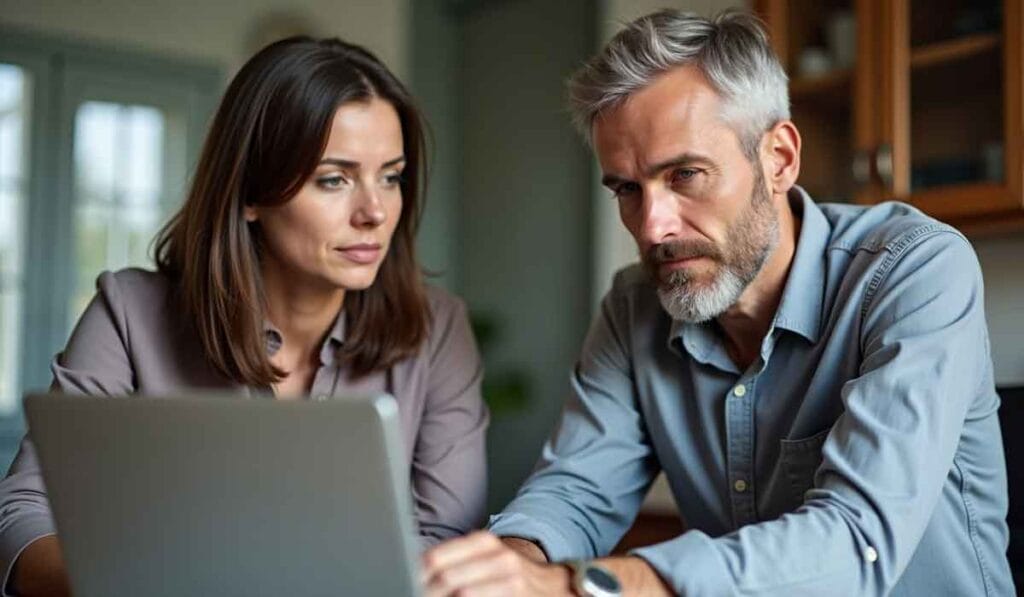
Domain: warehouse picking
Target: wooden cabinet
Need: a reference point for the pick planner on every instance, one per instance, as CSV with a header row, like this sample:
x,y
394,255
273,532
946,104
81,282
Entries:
x,y
916,100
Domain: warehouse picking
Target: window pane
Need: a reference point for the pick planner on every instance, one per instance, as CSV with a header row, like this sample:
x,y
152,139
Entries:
x,y
14,103
120,183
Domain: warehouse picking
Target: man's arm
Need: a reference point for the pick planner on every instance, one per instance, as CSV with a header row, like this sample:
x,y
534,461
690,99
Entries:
x,y
596,468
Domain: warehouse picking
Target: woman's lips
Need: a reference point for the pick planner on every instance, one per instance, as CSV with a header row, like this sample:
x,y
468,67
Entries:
x,y
361,254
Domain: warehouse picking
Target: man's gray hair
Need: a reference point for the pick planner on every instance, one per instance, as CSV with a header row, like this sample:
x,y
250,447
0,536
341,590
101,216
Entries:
x,y
730,49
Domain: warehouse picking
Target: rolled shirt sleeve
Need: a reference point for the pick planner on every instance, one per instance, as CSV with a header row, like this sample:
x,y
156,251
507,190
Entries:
x,y
924,344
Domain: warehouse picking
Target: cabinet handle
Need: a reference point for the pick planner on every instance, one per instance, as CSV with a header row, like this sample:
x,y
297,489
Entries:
x,y
861,168
883,164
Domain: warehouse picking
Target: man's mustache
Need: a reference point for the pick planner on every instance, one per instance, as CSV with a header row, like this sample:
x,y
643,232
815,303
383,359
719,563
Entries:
x,y
683,249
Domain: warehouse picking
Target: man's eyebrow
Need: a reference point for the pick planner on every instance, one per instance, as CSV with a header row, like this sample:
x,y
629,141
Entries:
x,y
684,159
349,164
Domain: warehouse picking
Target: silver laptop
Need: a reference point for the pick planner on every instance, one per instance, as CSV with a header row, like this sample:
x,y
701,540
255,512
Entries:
x,y
227,496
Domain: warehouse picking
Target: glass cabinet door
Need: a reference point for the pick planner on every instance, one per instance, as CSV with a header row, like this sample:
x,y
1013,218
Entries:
x,y
955,134
826,50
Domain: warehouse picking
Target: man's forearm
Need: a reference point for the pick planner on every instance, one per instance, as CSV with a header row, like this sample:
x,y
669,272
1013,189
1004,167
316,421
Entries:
x,y
636,576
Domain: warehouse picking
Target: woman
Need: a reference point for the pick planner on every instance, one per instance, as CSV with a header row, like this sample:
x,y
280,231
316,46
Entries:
x,y
289,271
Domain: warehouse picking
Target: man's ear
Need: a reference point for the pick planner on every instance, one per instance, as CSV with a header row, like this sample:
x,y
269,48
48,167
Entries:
x,y
780,156
250,214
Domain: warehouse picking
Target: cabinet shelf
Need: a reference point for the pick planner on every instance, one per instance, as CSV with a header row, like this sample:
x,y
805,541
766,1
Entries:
x,y
935,85
954,49
829,82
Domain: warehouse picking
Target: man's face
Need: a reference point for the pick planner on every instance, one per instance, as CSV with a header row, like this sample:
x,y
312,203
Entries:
x,y
700,212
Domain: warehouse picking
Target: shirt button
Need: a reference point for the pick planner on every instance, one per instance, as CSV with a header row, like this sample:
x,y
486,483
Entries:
x,y
740,485
740,390
870,554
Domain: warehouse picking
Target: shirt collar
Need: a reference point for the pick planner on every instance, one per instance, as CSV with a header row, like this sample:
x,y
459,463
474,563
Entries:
x,y
335,339
802,298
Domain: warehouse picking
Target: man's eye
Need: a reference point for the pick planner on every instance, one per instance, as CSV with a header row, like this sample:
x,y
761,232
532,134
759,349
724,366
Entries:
x,y
626,190
684,174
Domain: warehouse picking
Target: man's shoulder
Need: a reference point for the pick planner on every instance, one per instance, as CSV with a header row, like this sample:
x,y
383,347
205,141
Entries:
x,y
889,227
633,298
631,284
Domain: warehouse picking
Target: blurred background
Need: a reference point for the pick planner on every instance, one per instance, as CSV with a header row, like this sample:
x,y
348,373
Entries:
x,y
103,106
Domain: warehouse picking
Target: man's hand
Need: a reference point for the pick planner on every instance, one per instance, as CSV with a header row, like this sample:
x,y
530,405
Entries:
x,y
482,564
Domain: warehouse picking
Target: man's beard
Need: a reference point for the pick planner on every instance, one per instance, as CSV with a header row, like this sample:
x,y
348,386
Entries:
x,y
749,242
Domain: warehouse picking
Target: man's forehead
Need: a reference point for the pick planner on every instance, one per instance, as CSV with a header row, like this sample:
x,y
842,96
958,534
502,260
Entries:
x,y
678,113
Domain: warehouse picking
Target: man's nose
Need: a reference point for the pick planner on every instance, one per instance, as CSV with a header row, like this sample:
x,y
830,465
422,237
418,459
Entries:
x,y
660,220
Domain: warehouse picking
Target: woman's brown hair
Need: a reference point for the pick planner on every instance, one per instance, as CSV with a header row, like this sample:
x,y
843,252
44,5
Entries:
x,y
264,143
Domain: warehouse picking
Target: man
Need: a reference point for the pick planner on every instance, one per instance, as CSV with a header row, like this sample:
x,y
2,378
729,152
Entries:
x,y
814,380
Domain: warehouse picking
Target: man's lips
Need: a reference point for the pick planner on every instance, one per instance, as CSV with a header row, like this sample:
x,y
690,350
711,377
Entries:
x,y
674,264
363,254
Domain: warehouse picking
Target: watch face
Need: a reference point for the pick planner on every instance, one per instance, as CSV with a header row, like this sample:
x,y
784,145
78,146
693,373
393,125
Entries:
x,y
603,580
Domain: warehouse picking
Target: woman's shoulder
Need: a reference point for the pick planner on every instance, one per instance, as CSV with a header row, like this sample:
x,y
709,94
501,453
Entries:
x,y
132,281
133,290
450,340
449,321
443,303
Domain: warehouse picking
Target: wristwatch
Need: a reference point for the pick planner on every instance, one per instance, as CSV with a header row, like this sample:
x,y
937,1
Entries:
x,y
591,580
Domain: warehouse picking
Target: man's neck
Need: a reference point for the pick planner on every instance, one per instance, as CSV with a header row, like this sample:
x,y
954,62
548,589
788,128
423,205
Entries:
x,y
746,323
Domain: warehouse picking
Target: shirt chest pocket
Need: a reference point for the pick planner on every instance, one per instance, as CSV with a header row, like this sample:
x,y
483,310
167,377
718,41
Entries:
x,y
799,459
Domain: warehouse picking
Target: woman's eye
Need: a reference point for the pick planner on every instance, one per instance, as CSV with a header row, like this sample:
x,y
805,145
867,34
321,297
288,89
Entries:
x,y
394,179
331,182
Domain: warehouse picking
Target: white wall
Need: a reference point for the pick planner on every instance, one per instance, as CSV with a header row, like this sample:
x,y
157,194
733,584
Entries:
x,y
222,32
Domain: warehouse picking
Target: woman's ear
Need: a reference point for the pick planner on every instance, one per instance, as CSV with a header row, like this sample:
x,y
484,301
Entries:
x,y
781,154
250,213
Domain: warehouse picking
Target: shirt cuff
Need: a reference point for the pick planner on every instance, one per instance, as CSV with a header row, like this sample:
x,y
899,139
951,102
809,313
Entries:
x,y
691,564
19,535
514,524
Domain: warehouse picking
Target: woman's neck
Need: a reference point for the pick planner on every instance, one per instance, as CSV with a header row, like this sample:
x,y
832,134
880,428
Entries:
x,y
302,312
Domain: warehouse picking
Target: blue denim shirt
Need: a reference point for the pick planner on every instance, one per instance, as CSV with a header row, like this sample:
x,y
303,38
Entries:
x,y
859,455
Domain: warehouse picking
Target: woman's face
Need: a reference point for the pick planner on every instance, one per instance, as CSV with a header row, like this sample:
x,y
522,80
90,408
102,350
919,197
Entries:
x,y
336,231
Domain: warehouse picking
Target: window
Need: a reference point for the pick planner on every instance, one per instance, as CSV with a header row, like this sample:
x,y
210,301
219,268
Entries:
x,y
95,148
14,92
119,183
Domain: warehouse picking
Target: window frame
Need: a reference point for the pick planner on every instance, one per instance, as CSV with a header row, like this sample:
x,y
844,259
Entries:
x,y
64,73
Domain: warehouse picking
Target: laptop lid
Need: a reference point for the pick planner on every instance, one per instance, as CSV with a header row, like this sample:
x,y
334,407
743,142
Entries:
x,y
227,496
